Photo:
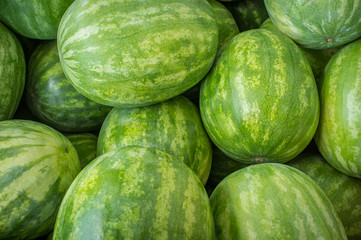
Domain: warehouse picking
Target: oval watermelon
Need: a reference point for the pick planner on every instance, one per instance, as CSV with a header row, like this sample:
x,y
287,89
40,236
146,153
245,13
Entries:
x,y
260,103
273,201
37,165
37,19
338,136
12,73
157,197
343,191
52,98
85,145
136,53
173,126
317,24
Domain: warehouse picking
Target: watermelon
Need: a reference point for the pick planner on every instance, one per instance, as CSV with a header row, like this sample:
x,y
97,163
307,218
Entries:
x,y
249,14
157,197
37,19
343,191
338,136
12,73
85,145
260,103
317,24
52,98
273,201
139,52
317,59
37,165
173,126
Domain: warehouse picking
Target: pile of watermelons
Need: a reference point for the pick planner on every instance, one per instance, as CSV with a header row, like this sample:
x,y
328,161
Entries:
x,y
180,119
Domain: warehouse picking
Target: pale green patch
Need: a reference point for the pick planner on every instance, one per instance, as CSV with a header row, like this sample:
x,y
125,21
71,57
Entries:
x,y
190,196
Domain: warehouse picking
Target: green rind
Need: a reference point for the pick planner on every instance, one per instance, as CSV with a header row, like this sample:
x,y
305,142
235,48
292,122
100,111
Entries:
x,y
317,59
136,53
12,73
343,191
85,145
37,165
273,201
317,24
157,197
52,98
260,103
338,136
173,126
249,14
227,26
38,19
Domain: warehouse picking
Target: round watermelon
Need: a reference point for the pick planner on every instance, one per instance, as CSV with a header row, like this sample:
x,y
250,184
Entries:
x,y
343,191
273,201
139,52
260,102
317,58
37,19
173,126
52,98
37,165
317,24
135,193
85,145
12,73
339,136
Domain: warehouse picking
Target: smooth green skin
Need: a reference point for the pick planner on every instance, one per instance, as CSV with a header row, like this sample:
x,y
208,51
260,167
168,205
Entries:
x,y
37,165
51,97
338,136
38,19
137,54
260,103
343,191
173,126
157,197
85,145
249,14
273,201
317,24
317,59
12,73
222,166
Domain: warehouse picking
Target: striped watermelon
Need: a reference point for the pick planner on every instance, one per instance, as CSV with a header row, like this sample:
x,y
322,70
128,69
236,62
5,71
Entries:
x,y
173,126
273,201
37,19
260,103
139,52
37,165
85,145
157,197
12,73
343,191
249,14
317,24
52,98
339,136
317,59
